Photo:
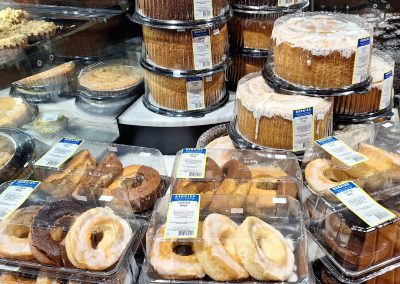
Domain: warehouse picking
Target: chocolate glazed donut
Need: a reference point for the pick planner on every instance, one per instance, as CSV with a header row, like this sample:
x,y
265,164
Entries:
x,y
45,238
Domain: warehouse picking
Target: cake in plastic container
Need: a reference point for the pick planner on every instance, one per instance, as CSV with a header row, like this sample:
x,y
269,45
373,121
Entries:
x,y
322,50
16,112
266,118
380,94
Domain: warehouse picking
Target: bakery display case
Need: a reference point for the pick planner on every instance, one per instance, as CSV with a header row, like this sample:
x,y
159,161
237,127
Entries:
x,y
46,236
224,246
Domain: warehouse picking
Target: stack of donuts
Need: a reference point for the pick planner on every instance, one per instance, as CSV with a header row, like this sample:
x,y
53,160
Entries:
x,y
65,233
226,251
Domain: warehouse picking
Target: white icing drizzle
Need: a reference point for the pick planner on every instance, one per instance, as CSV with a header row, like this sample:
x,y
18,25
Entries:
x,y
379,66
321,34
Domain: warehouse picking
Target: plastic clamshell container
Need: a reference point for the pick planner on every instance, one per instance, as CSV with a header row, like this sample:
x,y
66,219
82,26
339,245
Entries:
x,y
355,250
47,86
244,62
268,4
174,92
286,217
108,169
182,12
265,118
331,43
379,97
61,231
243,174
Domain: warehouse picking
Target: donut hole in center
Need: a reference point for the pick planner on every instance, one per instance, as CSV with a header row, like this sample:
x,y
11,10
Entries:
x,y
133,182
96,238
21,231
182,249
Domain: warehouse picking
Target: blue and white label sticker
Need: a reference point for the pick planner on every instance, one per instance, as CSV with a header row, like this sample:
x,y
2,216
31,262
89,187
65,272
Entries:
x,y
282,3
362,60
303,128
387,90
15,195
183,216
201,42
341,151
361,204
195,93
192,163
203,9
59,153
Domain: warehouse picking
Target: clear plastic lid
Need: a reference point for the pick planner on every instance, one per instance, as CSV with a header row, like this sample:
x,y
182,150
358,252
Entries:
x,y
269,4
89,239
326,52
231,245
241,174
271,119
74,168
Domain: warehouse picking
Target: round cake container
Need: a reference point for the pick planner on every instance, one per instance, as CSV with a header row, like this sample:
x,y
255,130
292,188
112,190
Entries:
x,y
272,5
244,61
98,95
23,153
251,28
297,61
212,134
166,91
369,104
180,12
198,47
378,117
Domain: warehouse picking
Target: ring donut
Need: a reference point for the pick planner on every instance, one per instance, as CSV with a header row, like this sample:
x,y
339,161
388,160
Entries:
x,y
142,184
216,250
167,261
115,234
14,233
263,251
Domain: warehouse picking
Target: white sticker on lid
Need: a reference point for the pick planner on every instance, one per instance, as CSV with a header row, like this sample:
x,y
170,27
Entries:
x,y
341,151
362,60
202,49
279,200
192,163
361,204
386,94
203,9
183,216
303,128
285,2
59,153
106,198
15,195
195,93
50,116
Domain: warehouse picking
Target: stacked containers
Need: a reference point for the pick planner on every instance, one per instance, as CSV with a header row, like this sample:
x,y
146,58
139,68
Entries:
x,y
185,55
250,34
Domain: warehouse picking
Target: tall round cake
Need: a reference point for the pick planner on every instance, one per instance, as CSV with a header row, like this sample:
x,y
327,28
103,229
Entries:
x,y
322,50
265,117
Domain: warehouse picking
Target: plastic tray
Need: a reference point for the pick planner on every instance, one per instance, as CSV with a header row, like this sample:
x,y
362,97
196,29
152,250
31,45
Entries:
x,y
264,117
303,43
124,168
285,217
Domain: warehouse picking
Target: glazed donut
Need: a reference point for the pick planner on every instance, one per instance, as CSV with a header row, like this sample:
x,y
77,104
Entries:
x,y
14,233
233,190
169,263
13,279
45,242
216,250
142,184
61,185
115,236
263,251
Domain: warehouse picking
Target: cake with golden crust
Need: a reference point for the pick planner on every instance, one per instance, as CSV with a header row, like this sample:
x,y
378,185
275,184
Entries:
x,y
265,117
14,112
319,50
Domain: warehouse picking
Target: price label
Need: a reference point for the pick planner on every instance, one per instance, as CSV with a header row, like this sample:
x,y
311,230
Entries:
x,y
183,216
201,42
303,128
386,93
203,9
195,93
59,153
279,200
50,116
285,2
192,163
361,204
362,60
341,151
15,195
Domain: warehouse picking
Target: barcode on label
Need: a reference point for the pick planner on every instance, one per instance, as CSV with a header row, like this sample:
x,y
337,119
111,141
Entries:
x,y
206,13
51,163
186,233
